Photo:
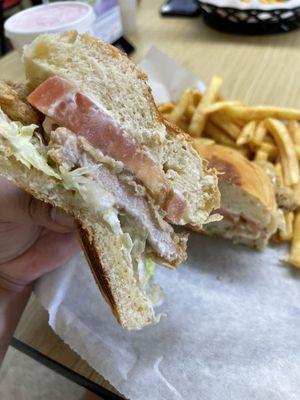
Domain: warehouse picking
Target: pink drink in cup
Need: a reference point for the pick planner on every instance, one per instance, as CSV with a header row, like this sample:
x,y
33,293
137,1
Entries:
x,y
24,26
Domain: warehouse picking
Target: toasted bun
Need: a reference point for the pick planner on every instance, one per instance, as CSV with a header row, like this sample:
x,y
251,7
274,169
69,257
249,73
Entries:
x,y
236,170
245,190
106,75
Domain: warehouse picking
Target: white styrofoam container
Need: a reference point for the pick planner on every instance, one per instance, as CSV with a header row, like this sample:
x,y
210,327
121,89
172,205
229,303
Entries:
x,y
19,37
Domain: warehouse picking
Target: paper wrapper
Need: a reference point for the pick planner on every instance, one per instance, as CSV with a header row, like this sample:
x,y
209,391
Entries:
x,y
232,323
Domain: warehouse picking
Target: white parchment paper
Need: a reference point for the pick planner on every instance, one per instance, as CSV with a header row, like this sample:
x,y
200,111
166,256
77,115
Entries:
x,y
232,329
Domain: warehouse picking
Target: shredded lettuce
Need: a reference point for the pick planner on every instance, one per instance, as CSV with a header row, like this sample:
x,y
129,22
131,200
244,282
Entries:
x,y
145,266
149,267
155,294
22,147
145,270
80,180
95,196
111,217
27,147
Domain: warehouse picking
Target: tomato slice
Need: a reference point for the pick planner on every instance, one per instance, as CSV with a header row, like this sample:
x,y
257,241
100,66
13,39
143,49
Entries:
x,y
68,107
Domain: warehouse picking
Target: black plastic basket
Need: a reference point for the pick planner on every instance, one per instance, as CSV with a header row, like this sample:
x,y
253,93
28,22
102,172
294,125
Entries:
x,y
251,21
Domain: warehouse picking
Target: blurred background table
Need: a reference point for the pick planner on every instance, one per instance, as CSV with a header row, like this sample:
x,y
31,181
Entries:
x,y
260,69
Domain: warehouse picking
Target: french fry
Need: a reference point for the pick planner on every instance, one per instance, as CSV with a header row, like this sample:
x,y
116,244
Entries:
x,y
286,234
296,190
166,108
261,156
246,134
183,125
289,221
181,106
190,111
202,141
244,151
294,131
260,133
219,106
166,116
270,149
294,256
297,150
218,135
269,139
199,142
275,238
225,123
286,150
250,113
239,122
199,118
197,96
279,174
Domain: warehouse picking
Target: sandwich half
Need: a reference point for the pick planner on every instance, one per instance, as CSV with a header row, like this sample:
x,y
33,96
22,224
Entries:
x,y
248,203
104,154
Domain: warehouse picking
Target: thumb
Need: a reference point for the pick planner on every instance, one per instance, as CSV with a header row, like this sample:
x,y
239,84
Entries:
x,y
20,207
53,218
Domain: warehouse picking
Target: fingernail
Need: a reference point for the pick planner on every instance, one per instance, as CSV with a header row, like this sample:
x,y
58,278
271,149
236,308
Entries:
x,y
62,218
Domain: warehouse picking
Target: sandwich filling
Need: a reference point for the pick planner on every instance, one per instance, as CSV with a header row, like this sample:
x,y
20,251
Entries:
x,y
75,154
240,227
68,107
239,220
100,186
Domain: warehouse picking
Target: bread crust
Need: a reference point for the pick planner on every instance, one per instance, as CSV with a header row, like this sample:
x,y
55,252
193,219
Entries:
x,y
15,106
100,276
236,170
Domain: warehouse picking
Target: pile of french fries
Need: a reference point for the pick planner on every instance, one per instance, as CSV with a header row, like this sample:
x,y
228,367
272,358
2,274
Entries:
x,y
261,133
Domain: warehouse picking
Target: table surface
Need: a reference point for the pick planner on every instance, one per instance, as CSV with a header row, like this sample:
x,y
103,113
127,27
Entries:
x,y
263,69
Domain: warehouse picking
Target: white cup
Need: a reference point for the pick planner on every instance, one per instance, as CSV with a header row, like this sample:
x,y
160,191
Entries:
x,y
83,20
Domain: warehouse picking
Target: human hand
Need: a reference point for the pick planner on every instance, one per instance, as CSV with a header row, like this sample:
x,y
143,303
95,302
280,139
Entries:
x,y
35,237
